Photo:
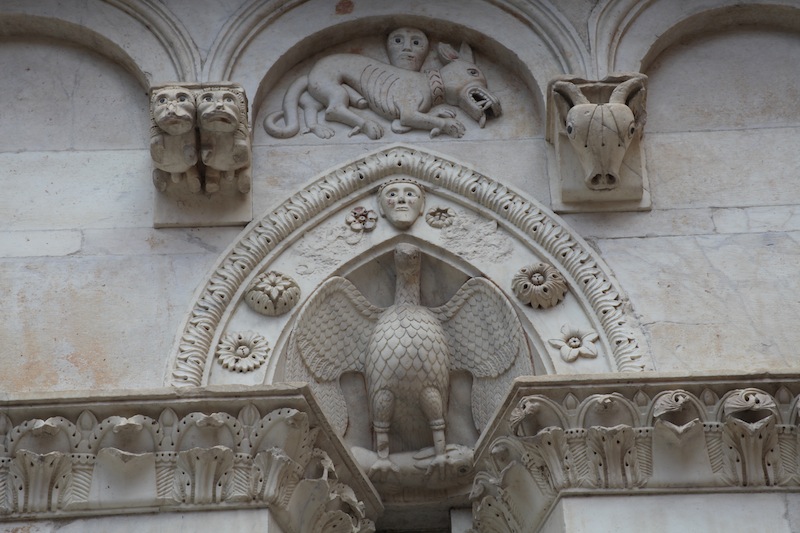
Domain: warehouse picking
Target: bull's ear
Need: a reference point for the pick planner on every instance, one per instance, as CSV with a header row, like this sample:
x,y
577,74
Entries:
x,y
465,53
447,53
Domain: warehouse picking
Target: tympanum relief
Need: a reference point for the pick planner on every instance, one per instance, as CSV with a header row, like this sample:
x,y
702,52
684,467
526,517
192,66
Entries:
x,y
596,128
355,90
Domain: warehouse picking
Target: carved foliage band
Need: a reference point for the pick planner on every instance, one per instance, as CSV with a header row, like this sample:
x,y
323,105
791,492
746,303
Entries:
x,y
569,255
200,459
614,441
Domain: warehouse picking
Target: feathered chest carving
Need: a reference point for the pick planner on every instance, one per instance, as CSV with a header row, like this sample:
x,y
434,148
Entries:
x,y
406,353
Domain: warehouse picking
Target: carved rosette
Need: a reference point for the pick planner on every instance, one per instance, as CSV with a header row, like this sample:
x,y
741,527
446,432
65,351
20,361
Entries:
x,y
440,217
362,219
242,352
539,285
272,294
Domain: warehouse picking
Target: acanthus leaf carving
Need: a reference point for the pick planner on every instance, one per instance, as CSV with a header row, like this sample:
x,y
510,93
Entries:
x,y
204,475
40,481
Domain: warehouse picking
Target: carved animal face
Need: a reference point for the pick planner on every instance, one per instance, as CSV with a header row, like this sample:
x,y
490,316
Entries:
x,y
401,203
218,111
465,84
600,135
407,48
173,110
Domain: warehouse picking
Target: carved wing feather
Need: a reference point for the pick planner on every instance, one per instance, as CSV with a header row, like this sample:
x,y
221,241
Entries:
x,y
486,339
330,337
333,329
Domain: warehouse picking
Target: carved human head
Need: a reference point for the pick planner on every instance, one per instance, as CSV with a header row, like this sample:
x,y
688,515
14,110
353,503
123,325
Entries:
x,y
218,110
401,201
407,48
173,109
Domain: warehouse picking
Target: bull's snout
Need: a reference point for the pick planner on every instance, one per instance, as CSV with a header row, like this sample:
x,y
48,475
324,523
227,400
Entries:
x,y
600,182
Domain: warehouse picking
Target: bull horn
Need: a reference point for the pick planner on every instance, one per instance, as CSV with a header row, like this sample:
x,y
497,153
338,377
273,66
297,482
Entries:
x,y
623,91
570,92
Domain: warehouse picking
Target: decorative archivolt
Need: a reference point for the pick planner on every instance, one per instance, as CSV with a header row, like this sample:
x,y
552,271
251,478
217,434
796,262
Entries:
x,y
627,35
144,37
535,227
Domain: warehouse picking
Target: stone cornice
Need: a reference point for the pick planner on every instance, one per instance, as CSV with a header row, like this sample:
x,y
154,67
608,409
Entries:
x,y
654,433
71,454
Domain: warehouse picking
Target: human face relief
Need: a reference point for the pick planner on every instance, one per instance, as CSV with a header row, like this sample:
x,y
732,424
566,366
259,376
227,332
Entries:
x,y
218,111
407,48
173,110
401,203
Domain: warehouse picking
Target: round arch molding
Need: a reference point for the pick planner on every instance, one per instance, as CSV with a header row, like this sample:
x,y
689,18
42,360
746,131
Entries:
x,y
496,232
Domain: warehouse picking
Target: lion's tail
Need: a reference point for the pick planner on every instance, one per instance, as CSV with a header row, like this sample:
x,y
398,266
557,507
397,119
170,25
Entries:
x,y
289,113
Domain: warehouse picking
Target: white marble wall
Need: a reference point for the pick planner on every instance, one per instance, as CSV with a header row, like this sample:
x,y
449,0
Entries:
x,y
93,296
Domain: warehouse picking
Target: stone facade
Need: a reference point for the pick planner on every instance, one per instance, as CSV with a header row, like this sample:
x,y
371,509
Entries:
x,y
598,198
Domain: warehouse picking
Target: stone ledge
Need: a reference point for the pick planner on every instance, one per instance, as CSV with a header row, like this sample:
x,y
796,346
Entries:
x,y
649,433
72,454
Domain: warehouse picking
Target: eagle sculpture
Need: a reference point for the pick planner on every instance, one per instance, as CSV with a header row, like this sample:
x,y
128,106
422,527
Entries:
x,y
406,353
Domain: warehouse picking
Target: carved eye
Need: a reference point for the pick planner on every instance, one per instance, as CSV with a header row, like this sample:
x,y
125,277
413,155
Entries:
x,y
182,98
392,194
416,42
570,129
162,100
229,99
410,194
473,72
398,40
208,98
632,129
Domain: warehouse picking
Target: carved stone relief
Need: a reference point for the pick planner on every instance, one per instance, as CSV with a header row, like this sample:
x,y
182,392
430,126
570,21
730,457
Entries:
x,y
401,201
198,460
272,294
539,285
326,246
406,353
596,129
623,437
399,92
200,146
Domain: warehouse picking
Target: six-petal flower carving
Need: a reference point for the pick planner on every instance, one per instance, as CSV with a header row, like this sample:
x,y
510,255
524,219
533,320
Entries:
x,y
576,343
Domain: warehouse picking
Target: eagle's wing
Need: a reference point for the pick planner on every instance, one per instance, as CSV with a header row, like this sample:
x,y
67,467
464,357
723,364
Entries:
x,y
329,338
486,339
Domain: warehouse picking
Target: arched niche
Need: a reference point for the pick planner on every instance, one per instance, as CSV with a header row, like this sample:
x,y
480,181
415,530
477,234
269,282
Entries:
x,y
536,41
495,232
69,96
145,38
627,35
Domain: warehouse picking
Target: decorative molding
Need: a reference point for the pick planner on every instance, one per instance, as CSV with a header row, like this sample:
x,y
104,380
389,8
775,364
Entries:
x,y
588,277
254,449
652,433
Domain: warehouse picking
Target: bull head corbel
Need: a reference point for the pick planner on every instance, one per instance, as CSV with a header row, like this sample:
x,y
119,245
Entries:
x,y
599,125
